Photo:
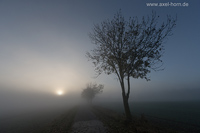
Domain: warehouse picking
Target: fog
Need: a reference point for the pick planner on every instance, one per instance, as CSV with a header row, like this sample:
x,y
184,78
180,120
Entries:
x,y
32,108
26,111
13,102
19,102
43,47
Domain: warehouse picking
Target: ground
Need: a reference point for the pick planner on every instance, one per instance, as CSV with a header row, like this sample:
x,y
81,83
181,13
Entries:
x,y
96,119
87,122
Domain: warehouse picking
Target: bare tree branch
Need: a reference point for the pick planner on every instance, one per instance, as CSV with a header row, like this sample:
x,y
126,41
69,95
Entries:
x,y
130,48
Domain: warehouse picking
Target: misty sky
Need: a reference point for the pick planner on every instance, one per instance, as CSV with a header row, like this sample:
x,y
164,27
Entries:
x,y
43,46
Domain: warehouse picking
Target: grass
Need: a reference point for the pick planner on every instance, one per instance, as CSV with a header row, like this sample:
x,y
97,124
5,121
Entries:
x,y
61,124
115,123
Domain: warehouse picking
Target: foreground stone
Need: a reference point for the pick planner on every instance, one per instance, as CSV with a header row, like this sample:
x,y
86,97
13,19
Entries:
x,y
86,122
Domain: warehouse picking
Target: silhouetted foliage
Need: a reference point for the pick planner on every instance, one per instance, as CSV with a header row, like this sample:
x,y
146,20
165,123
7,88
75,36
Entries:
x,y
91,91
129,48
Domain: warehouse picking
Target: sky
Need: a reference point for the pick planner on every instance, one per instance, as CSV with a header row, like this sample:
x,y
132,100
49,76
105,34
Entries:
x,y
43,46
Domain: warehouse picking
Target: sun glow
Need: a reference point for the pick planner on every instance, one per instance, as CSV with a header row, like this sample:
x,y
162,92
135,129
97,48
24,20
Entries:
x,y
59,92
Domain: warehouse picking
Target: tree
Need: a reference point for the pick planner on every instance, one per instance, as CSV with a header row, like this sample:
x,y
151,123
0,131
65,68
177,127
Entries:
x,y
91,91
129,48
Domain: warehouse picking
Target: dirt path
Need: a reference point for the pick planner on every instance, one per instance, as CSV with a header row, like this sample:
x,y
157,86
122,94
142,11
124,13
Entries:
x,y
85,121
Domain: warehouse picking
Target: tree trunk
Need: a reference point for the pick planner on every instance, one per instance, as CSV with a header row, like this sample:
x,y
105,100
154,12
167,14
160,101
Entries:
x,y
125,102
91,102
127,108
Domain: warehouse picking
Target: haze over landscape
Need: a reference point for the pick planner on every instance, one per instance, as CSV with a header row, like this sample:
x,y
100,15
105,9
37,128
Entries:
x,y
43,46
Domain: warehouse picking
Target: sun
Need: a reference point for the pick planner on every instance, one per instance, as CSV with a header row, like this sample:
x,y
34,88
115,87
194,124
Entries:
x,y
59,92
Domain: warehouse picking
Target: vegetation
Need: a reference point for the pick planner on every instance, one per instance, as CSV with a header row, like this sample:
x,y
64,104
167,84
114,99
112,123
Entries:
x,y
129,49
115,123
62,124
91,91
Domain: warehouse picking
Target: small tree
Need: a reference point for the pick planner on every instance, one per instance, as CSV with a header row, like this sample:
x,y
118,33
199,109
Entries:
x,y
129,48
91,91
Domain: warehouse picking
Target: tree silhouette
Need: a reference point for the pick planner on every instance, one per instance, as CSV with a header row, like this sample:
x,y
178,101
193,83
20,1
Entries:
x,y
129,48
91,91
